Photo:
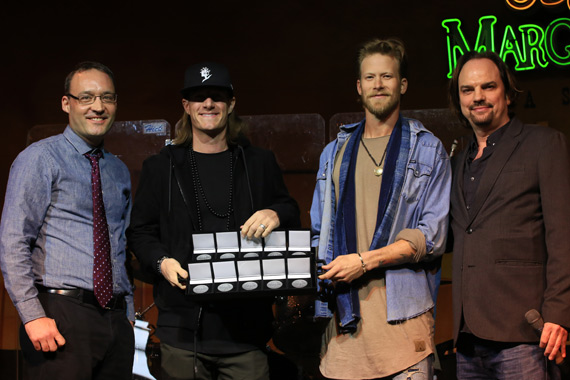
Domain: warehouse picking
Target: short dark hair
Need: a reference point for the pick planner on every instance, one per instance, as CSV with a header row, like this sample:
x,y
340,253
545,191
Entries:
x,y
85,66
392,47
507,77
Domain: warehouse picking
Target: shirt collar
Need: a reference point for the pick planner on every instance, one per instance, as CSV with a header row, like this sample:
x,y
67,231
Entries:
x,y
78,143
492,139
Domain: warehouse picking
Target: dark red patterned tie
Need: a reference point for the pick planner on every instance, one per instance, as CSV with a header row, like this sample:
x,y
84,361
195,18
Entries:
x,y
102,270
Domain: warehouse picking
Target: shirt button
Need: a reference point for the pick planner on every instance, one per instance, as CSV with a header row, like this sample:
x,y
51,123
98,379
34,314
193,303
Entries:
x,y
470,231
472,179
468,207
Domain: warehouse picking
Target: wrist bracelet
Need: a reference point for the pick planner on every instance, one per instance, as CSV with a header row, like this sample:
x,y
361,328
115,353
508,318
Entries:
x,y
362,262
159,263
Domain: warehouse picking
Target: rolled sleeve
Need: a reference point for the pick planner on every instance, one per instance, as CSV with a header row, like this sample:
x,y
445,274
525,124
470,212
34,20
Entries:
x,y
417,240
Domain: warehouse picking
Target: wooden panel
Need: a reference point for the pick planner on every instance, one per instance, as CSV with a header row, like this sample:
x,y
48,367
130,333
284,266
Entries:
x,y
296,139
301,187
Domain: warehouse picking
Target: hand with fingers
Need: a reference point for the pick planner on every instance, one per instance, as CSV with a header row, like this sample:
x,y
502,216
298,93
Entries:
x,y
345,268
553,340
171,270
260,224
44,335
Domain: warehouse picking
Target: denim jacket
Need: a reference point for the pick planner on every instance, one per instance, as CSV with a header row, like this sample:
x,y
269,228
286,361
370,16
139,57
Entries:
x,y
422,204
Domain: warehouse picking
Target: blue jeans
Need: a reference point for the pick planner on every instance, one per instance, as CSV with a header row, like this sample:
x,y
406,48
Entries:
x,y
478,359
420,371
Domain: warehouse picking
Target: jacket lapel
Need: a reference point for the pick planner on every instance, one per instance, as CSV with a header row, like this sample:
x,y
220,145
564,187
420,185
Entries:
x,y
497,161
183,183
242,187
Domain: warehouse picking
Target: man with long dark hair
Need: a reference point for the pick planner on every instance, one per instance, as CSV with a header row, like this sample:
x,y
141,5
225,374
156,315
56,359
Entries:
x,y
509,218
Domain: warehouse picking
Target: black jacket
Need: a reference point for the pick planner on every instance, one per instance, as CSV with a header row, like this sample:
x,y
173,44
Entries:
x,y
164,217
511,246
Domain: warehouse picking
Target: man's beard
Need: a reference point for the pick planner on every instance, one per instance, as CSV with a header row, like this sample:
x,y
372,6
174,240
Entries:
x,y
481,120
381,111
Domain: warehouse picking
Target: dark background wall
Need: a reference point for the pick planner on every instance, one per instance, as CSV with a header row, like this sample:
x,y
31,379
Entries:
x,y
285,57
288,57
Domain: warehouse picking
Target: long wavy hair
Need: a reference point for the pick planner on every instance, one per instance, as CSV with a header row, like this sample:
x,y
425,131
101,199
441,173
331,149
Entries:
x,y
235,127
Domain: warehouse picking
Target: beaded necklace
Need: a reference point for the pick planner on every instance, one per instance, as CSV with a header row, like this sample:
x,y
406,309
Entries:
x,y
200,193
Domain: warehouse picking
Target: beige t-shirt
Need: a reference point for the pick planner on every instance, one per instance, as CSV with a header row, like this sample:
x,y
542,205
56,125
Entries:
x,y
377,348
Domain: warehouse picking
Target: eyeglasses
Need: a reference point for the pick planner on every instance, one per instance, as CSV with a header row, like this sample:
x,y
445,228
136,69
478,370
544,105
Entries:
x,y
86,99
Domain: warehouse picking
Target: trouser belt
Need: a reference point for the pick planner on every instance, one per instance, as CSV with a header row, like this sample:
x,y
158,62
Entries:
x,y
86,296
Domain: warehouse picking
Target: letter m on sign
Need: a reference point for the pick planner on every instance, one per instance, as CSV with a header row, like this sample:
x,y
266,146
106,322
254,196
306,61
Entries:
x,y
457,44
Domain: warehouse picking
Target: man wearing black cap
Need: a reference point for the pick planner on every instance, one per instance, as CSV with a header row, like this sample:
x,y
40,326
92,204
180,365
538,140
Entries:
x,y
211,179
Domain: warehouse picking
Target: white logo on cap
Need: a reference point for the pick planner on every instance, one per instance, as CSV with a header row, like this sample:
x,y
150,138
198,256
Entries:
x,y
205,73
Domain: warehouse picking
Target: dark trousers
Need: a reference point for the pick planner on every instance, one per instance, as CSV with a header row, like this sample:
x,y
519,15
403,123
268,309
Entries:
x,y
99,343
178,364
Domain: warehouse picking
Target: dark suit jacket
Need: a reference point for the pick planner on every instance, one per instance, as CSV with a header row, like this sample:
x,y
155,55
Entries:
x,y
511,250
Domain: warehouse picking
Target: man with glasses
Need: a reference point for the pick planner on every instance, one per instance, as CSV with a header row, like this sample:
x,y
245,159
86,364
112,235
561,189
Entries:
x,y
62,241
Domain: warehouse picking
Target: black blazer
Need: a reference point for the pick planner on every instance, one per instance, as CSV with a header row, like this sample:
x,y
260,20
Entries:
x,y
511,250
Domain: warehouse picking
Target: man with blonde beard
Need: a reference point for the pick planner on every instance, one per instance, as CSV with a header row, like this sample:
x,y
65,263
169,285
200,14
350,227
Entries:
x,y
379,219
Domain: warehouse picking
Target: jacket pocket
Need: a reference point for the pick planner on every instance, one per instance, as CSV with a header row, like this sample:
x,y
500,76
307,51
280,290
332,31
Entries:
x,y
418,178
518,263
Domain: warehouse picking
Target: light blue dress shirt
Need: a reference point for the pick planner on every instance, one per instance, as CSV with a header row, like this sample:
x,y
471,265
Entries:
x,y
46,231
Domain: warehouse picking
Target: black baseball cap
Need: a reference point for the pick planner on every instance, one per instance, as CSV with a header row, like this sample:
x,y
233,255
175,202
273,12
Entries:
x,y
207,74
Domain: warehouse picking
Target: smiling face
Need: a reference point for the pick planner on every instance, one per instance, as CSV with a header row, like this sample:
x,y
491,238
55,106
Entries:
x,y
90,122
380,85
482,95
208,109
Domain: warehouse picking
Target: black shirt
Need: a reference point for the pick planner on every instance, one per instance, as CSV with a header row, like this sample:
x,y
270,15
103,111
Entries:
x,y
474,168
227,326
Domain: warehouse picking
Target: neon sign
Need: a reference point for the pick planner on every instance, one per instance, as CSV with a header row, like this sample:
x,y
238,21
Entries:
x,y
521,5
530,46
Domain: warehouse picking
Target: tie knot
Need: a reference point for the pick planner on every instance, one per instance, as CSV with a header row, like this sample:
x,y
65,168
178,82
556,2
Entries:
x,y
94,155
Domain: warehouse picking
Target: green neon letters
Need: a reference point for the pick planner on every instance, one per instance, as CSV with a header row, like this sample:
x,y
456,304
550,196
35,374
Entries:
x,y
528,45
